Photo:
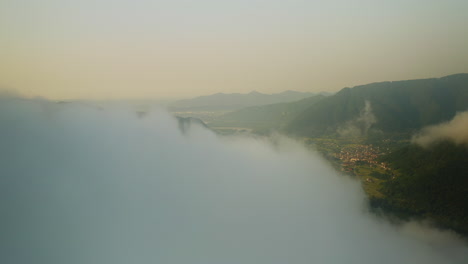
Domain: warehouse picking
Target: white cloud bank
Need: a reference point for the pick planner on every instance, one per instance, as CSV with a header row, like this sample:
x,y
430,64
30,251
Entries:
x,y
455,130
84,185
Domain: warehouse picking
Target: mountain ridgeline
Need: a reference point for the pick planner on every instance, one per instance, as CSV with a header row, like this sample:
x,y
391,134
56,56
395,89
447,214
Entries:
x,y
266,117
394,107
384,108
235,101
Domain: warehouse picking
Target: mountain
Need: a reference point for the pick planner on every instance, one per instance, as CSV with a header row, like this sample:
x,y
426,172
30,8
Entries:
x,y
266,117
428,183
388,107
222,101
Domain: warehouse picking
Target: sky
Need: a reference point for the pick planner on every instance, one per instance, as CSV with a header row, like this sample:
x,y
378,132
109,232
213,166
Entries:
x,y
103,49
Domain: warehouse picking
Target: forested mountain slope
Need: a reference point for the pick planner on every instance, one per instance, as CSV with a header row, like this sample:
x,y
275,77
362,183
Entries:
x,y
395,107
429,183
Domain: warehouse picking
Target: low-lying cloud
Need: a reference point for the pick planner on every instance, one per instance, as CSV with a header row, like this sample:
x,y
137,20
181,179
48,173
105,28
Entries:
x,y
81,184
455,130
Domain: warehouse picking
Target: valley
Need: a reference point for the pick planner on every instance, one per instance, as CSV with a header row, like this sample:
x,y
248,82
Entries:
x,y
367,132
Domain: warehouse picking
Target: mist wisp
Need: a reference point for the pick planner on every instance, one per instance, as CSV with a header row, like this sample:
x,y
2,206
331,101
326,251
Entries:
x,y
360,125
81,184
455,130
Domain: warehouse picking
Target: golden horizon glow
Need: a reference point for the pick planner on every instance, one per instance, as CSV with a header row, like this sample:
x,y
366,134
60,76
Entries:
x,y
142,49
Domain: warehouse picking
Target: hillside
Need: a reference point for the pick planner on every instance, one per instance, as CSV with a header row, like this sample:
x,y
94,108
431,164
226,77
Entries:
x,y
389,107
429,183
267,116
222,101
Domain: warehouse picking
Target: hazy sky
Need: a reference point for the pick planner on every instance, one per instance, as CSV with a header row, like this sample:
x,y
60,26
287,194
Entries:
x,y
144,49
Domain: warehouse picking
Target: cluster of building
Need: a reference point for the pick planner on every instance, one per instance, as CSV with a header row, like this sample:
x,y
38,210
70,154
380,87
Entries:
x,y
359,154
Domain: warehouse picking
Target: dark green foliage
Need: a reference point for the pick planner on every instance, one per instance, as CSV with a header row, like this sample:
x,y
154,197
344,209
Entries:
x,y
429,183
379,175
399,107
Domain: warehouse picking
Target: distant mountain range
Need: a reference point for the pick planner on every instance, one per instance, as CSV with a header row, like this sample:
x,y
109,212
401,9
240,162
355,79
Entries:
x,y
266,117
384,107
234,101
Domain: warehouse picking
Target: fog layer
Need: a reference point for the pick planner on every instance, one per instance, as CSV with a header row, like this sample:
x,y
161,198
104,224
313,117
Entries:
x,y
455,130
81,184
